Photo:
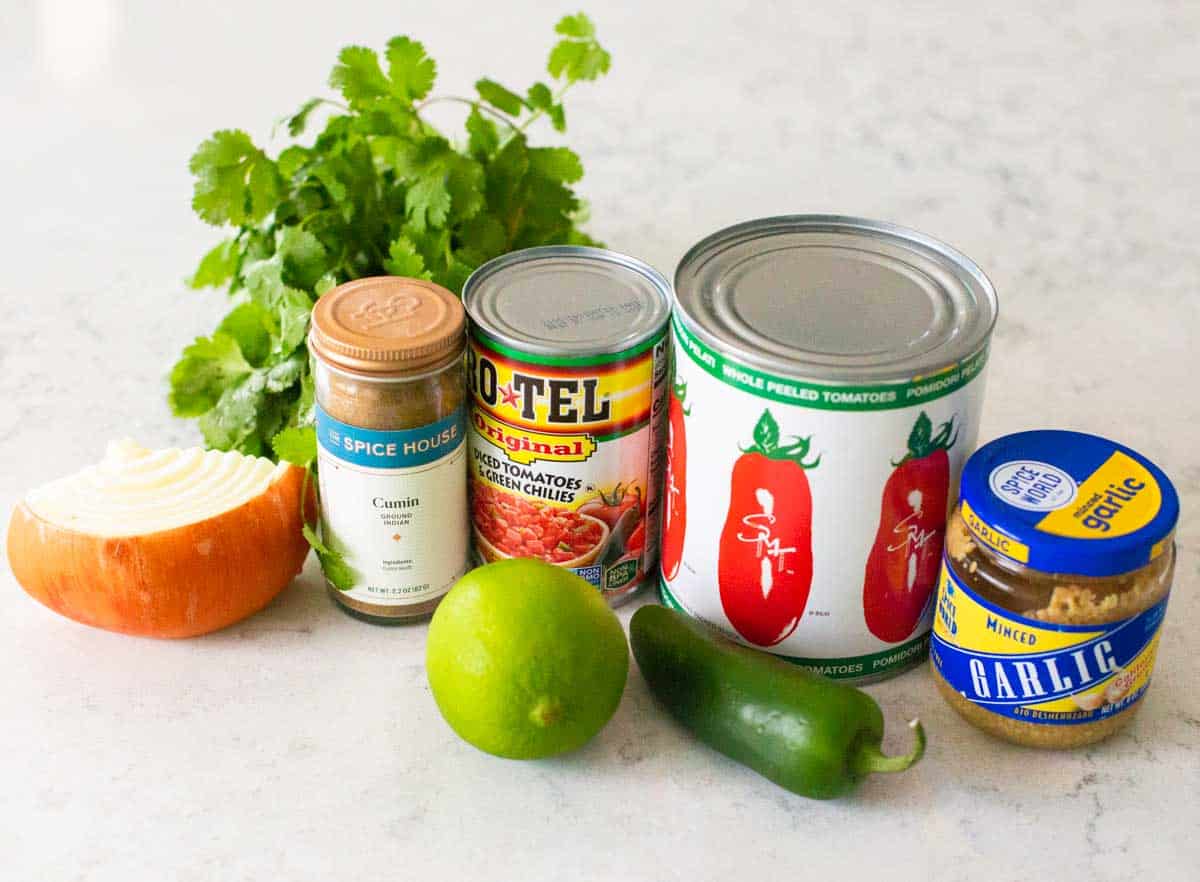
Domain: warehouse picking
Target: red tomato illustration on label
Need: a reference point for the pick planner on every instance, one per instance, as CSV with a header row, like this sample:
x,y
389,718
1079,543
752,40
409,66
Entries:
x,y
675,505
903,566
609,505
764,564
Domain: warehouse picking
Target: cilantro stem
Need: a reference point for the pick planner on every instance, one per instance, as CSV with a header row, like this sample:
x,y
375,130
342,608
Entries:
x,y
484,108
541,111
478,105
314,216
315,102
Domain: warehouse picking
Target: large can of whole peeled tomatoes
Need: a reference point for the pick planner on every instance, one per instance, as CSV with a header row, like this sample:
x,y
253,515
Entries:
x,y
567,366
827,390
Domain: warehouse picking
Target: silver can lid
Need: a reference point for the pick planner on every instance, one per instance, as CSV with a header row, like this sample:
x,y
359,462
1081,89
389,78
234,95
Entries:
x,y
568,300
838,299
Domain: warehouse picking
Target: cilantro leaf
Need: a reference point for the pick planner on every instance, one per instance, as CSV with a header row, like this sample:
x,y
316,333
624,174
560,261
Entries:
x,y
235,181
428,201
294,309
297,445
303,256
234,419
432,245
325,283
559,163
217,266
289,307
549,210
378,189
251,326
208,367
455,274
578,25
484,237
578,56
358,76
403,259
464,183
298,120
506,175
298,257
292,160
484,139
304,414
411,71
539,97
578,60
499,97
333,563
425,167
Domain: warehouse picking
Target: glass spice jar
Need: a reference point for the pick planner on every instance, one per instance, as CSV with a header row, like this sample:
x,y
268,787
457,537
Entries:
x,y
388,370
1057,567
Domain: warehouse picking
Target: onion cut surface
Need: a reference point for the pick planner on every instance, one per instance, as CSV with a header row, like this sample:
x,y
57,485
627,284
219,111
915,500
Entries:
x,y
161,543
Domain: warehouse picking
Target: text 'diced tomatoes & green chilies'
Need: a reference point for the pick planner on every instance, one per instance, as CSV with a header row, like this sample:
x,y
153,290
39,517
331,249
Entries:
x,y
567,367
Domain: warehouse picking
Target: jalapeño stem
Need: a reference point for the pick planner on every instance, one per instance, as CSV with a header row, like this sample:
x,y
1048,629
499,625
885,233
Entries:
x,y
869,758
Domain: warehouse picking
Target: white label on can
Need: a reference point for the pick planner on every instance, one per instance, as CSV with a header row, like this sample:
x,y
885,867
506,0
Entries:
x,y
394,503
853,482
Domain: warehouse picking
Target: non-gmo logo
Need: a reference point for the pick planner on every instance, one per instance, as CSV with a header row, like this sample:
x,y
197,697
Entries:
x,y
1032,485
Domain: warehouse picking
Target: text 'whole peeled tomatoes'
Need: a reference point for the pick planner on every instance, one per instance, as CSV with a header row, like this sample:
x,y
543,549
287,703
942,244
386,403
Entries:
x,y
871,340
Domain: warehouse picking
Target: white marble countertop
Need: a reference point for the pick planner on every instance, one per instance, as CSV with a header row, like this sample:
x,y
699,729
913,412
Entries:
x,y
1054,143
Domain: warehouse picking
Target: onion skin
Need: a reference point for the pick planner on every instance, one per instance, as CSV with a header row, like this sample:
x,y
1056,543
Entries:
x,y
181,582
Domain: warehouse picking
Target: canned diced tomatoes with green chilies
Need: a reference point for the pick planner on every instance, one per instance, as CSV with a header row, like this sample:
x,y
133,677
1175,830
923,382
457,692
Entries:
x,y
567,365
827,389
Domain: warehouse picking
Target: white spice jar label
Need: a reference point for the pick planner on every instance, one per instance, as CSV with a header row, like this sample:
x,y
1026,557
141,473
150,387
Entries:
x,y
388,499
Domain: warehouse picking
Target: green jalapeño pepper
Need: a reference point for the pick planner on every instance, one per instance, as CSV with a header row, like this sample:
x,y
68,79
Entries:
x,y
807,733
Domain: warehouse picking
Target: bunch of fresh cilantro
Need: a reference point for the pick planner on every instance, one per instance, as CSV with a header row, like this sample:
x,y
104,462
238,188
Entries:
x,y
379,191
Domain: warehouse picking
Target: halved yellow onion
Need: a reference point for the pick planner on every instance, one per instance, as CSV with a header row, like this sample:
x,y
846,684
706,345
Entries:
x,y
161,543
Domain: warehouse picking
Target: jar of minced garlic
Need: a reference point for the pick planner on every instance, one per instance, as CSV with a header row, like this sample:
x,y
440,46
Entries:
x,y
1057,566
388,371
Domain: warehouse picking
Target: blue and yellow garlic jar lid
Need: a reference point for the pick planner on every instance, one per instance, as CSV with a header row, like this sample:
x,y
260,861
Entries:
x,y
1068,502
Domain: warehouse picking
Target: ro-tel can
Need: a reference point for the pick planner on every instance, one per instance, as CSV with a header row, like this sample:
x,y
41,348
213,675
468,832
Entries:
x,y
567,366
827,389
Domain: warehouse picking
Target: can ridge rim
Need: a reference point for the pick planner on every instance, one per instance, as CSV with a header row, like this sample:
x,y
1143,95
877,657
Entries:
x,y
814,371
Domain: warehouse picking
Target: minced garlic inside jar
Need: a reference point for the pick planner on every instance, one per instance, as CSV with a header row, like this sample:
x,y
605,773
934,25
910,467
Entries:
x,y
1054,586
1053,598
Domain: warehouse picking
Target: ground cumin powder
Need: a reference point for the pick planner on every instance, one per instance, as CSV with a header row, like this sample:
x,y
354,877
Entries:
x,y
388,370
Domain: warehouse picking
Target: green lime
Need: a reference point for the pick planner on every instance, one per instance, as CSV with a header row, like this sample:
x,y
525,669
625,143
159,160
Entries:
x,y
525,659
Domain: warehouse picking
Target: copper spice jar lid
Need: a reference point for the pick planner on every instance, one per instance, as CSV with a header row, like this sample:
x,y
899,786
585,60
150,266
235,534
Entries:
x,y
387,325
